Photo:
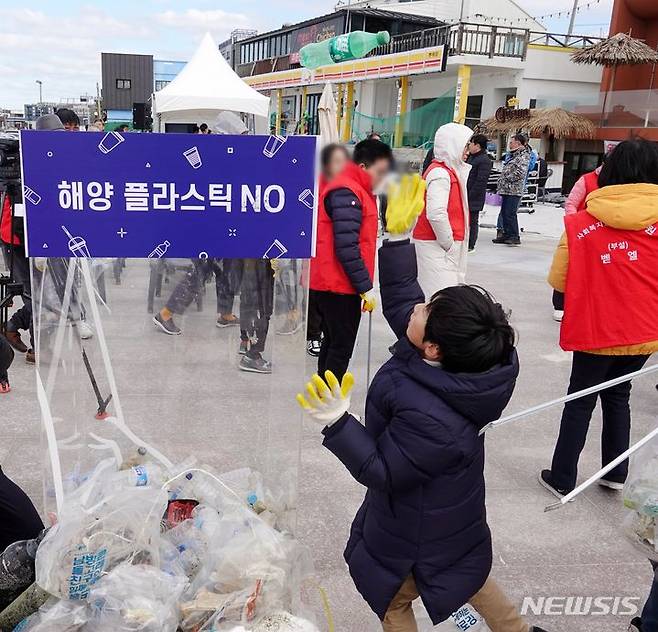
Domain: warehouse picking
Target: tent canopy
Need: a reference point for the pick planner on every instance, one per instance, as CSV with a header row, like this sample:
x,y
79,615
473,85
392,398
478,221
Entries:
x,y
207,85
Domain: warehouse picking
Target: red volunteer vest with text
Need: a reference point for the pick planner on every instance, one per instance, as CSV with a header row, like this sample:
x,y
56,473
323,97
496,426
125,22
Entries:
x,y
612,285
423,230
327,274
5,224
591,184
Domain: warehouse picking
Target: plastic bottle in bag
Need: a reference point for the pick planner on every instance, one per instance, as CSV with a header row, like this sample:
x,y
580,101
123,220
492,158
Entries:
x,y
147,475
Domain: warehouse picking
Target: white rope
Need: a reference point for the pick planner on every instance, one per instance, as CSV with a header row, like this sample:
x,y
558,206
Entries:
x,y
568,398
53,451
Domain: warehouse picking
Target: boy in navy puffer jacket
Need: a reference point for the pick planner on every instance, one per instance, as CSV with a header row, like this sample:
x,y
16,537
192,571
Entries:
x,y
422,529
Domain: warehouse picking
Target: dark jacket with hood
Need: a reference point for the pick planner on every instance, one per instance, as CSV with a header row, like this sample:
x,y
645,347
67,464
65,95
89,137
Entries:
x,y
478,178
422,460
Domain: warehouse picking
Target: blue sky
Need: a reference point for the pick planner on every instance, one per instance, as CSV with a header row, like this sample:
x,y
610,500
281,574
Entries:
x,y
59,41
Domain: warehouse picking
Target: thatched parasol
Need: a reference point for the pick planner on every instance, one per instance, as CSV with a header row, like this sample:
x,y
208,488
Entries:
x,y
618,50
555,122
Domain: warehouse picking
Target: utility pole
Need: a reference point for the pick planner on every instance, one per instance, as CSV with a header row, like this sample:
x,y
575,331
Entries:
x,y
40,90
572,22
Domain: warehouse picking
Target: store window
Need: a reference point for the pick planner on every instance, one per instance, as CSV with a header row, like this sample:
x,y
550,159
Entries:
x,y
473,110
123,84
161,83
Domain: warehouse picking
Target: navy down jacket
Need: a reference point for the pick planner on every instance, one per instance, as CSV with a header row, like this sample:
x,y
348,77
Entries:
x,y
422,461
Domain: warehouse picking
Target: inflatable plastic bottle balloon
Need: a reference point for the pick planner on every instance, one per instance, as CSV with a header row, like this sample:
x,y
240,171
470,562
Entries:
x,y
341,48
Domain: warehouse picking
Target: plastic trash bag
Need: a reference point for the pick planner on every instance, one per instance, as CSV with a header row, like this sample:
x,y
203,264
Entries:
x,y
97,530
136,598
56,616
641,498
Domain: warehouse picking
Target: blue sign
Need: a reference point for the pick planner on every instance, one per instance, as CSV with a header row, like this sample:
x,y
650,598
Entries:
x,y
169,195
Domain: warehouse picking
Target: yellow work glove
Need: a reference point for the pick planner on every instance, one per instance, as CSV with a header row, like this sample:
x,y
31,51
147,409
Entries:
x,y
369,301
406,201
327,400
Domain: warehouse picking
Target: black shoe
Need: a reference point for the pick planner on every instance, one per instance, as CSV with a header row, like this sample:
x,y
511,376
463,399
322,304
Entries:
x,y
534,628
500,240
512,241
313,348
168,326
546,480
636,625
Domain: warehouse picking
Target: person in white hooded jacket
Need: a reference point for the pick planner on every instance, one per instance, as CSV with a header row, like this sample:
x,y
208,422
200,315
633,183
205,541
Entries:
x,y
441,234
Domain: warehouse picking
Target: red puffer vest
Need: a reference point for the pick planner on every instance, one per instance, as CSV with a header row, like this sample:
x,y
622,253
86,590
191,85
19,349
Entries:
x,y
612,285
591,184
5,224
327,274
423,230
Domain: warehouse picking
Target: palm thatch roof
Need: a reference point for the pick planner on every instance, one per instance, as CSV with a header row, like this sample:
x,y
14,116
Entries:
x,y
618,50
551,121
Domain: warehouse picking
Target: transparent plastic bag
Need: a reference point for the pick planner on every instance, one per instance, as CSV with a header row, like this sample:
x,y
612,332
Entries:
x,y
56,616
136,598
92,536
641,498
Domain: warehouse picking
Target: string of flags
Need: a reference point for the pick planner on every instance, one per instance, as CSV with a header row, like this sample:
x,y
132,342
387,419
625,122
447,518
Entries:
x,y
555,14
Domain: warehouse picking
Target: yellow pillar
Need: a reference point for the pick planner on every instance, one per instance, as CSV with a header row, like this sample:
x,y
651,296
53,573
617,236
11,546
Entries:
x,y
403,97
347,113
339,106
279,107
303,112
461,93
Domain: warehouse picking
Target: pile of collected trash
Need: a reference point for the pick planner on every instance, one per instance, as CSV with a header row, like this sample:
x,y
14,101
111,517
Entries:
x,y
152,550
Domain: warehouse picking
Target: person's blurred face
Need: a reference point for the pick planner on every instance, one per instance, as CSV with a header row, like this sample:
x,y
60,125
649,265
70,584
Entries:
x,y
514,144
416,333
473,148
336,164
71,127
378,170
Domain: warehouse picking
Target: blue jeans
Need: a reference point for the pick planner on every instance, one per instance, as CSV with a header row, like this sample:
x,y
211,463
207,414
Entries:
x,y
507,219
650,611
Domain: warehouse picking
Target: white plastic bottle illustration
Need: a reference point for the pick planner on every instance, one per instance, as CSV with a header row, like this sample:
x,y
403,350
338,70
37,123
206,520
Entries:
x,y
160,250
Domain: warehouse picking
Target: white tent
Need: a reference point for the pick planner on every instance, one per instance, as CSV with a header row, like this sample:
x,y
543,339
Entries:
x,y
206,86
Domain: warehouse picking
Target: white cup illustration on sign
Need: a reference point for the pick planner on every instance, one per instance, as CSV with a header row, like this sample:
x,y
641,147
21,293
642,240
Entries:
x,y
160,250
307,198
77,245
273,144
193,156
31,195
110,141
275,251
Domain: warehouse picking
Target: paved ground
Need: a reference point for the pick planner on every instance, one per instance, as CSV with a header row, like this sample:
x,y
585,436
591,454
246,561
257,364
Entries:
x,y
186,395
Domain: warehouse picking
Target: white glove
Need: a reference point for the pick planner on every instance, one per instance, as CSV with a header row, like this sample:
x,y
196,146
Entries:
x,y
327,400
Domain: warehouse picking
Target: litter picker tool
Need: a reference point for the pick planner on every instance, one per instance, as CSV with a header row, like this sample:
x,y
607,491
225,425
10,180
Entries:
x,y
568,398
603,471
102,403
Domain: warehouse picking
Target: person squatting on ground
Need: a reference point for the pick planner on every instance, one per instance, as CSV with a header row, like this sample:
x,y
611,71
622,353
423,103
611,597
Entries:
x,y
511,187
19,520
342,271
333,159
606,265
478,178
440,234
422,529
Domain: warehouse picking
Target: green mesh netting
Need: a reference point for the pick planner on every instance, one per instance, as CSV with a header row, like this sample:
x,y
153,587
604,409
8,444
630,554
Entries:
x,y
418,125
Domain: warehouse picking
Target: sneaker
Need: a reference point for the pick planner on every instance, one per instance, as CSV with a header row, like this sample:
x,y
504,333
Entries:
x,y
227,321
4,386
290,327
313,348
636,625
472,249
535,628
30,357
15,340
84,329
546,481
512,241
255,365
500,239
558,315
167,326
604,482
244,347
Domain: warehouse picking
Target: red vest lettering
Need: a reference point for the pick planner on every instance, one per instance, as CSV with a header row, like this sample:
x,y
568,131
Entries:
x,y
327,274
591,184
423,230
612,286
